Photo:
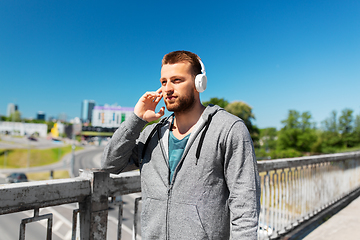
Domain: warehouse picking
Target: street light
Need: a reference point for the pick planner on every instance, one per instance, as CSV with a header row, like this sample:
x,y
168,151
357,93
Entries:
x,y
72,157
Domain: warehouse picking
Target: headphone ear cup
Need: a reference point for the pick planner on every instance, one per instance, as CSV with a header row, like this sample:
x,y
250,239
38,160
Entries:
x,y
200,82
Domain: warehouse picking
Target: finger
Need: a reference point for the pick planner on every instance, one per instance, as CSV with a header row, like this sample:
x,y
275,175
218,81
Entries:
x,y
150,96
161,112
159,92
158,98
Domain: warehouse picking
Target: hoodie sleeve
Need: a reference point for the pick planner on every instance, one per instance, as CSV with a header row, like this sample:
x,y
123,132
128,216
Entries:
x,y
241,174
122,149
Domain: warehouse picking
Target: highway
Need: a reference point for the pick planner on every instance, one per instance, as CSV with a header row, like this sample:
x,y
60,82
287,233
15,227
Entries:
x,y
62,215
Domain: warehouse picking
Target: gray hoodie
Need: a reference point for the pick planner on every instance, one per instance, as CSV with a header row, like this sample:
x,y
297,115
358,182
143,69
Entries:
x,y
215,190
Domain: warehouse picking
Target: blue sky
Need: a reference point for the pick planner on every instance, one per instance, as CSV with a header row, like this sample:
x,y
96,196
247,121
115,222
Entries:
x,y
273,55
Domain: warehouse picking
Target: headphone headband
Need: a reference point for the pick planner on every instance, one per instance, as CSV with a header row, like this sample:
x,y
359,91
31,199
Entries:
x,y
202,66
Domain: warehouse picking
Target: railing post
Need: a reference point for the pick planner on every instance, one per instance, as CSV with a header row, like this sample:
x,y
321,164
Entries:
x,y
94,210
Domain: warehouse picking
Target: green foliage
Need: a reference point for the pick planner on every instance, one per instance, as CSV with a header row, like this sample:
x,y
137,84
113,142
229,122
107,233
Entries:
x,y
357,124
244,111
50,125
268,138
299,136
34,121
340,133
15,116
345,121
221,102
348,136
297,133
286,153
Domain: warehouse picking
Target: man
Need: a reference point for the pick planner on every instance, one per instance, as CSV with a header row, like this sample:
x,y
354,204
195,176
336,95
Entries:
x,y
199,176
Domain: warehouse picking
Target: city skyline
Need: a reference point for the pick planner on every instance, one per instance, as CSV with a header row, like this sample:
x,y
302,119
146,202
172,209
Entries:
x,y
275,56
86,111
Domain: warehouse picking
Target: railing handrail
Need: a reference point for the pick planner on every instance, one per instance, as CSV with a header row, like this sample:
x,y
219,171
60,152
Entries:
x,y
25,196
269,165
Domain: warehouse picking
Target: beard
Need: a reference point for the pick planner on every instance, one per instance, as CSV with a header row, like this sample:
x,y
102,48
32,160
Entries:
x,y
181,104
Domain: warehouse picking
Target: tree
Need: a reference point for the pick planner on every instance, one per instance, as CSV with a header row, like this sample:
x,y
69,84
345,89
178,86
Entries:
x,y
298,132
339,132
357,129
15,116
244,111
330,137
292,121
348,136
305,121
268,138
357,124
330,124
221,102
345,121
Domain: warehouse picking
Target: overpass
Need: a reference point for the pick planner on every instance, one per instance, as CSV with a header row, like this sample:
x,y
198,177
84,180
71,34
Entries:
x,y
297,195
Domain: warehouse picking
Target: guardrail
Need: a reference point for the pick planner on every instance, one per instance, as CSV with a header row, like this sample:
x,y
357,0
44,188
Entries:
x,y
91,190
293,190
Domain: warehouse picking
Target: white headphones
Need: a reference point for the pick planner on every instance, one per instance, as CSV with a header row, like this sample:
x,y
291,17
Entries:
x,y
201,79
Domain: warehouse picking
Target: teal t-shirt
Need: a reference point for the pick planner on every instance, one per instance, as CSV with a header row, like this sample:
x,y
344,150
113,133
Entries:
x,y
176,150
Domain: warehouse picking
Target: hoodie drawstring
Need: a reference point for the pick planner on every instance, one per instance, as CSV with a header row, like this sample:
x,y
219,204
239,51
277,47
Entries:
x,y
156,128
198,150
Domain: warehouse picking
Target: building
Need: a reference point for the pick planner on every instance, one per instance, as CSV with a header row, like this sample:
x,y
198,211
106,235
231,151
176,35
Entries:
x,y
110,116
12,108
87,107
23,129
40,116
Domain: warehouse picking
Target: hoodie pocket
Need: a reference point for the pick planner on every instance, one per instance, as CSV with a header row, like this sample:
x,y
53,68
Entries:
x,y
153,219
185,222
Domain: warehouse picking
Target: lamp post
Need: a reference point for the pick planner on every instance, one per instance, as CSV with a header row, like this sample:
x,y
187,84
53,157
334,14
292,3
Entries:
x,y
28,158
72,157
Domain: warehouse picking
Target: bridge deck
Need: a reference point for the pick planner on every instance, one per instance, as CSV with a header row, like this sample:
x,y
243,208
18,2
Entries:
x,y
343,225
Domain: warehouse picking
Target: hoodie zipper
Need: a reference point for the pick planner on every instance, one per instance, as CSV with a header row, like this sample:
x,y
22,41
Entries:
x,y
169,189
167,212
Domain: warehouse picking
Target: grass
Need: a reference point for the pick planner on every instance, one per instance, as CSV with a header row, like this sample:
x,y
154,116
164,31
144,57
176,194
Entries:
x,y
38,176
88,133
18,158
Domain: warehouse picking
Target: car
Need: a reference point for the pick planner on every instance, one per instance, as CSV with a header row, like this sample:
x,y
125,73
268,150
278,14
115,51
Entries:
x,y
16,178
31,138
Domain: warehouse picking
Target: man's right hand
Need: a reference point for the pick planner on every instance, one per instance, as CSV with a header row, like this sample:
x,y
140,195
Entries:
x,y
145,107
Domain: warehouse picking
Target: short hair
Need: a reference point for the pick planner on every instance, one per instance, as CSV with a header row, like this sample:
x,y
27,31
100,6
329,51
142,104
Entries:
x,y
183,56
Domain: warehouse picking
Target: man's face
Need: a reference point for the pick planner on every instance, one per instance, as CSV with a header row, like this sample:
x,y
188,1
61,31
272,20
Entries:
x,y
177,85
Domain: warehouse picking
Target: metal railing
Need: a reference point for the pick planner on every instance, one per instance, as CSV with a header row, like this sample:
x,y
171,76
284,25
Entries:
x,y
293,190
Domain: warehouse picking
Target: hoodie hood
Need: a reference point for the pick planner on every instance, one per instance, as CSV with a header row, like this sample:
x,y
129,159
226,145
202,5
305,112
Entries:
x,y
203,122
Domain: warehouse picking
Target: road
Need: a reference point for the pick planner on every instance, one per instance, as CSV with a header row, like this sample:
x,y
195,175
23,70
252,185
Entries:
x,y
62,222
